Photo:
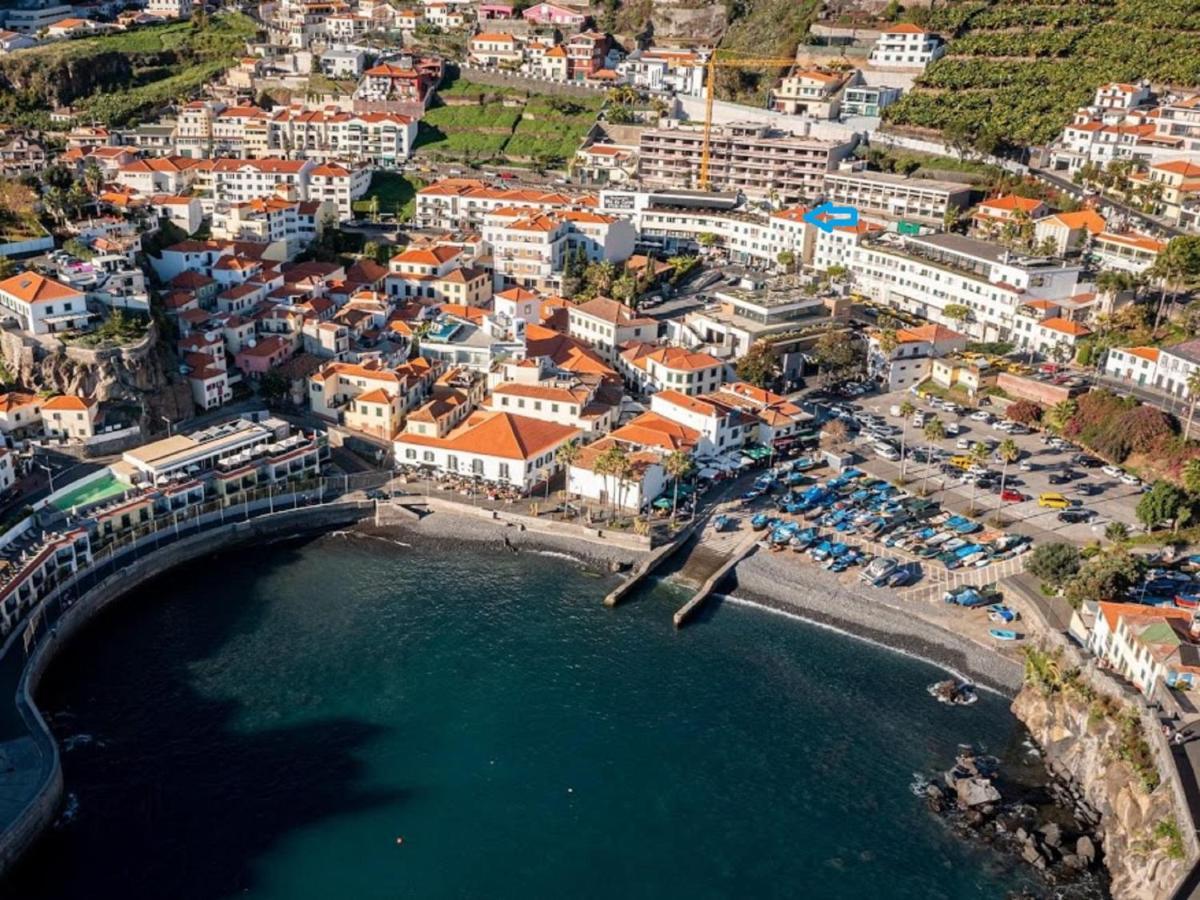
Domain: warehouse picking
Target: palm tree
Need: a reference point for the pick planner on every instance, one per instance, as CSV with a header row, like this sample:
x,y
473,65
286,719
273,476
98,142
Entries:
x,y
1009,453
678,465
566,455
93,177
1060,413
1116,532
934,431
613,463
906,411
979,453
1193,389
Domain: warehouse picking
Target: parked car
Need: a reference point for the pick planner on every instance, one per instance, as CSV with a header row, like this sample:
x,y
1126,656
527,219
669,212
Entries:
x,y
981,416
1088,462
1113,471
1131,479
1026,465
1058,478
952,429
1008,495
1053,501
1076,516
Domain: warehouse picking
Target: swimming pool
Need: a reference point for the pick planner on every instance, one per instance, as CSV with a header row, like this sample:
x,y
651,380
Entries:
x,y
100,489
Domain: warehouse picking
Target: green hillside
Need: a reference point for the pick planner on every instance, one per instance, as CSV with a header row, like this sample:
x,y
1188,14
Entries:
x,y
117,78
1016,70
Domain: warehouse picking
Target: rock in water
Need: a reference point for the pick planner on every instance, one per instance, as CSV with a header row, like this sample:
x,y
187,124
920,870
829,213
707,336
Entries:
x,y
976,792
1051,835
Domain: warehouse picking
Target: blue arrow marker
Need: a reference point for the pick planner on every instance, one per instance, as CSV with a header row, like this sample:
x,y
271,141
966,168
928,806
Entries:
x,y
828,217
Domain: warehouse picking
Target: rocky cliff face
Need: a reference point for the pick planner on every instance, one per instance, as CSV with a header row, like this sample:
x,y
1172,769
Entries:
x,y
61,81
1087,745
140,374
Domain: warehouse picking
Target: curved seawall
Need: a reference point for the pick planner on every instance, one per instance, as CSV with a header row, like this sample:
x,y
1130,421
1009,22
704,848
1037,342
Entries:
x,y
34,789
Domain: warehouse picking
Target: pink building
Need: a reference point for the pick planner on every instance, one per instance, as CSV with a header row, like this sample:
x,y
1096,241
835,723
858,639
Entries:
x,y
549,14
495,11
264,354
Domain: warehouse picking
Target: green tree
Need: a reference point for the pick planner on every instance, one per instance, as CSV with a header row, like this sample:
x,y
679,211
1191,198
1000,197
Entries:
x,y
273,386
934,431
786,260
1193,389
678,465
759,366
836,353
1060,413
1104,577
1009,453
1054,563
624,289
1160,504
566,456
599,277
906,411
1191,477
1116,532
8,268
979,454
706,239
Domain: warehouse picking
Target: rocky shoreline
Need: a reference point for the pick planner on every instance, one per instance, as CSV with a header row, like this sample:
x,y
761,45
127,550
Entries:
x,y
1045,823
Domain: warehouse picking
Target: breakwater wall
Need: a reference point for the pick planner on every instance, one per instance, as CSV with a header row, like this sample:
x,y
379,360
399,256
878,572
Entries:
x,y
35,756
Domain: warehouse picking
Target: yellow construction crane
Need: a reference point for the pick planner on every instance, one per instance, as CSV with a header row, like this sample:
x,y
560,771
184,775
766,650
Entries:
x,y
710,85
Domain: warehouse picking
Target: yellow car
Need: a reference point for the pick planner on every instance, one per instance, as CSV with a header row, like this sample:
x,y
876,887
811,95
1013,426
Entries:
x,y
1053,501
963,462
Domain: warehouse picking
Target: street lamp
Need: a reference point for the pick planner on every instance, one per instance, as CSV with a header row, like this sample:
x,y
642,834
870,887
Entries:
x,y
169,425
49,473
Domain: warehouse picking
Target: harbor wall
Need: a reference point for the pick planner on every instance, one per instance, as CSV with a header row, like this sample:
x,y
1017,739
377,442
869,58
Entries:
x,y
41,809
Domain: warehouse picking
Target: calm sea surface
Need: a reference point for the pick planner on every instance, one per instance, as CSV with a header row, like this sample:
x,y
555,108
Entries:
x,y
267,723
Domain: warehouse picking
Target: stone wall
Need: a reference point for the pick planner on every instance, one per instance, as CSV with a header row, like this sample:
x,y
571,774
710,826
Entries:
x,y
496,78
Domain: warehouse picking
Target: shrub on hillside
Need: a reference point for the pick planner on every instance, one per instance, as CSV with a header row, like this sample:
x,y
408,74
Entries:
x,y
1026,412
1054,563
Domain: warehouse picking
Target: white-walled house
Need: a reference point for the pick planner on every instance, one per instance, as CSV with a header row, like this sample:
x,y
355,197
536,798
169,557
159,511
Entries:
x,y
493,446
42,305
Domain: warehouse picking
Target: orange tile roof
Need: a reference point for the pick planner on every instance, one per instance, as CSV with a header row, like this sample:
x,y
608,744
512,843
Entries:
x,y
906,28
498,434
1087,219
1065,326
14,400
1012,202
684,360
930,333
1179,167
69,402
1140,241
1114,612
31,287
379,395
1147,353
650,429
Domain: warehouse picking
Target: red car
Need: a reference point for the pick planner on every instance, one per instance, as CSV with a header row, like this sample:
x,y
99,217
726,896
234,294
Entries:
x,y
1010,496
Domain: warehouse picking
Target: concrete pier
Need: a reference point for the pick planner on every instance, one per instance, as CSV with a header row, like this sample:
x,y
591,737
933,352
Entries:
x,y
648,565
714,581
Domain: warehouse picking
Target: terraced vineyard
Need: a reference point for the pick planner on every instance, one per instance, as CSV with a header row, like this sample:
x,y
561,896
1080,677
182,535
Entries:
x,y
1016,69
523,129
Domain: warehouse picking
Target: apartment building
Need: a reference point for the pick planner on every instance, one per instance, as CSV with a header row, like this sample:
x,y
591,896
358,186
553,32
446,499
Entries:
x,y
454,204
529,247
1178,181
380,139
604,325
70,417
541,391
1068,232
902,358
895,197
748,157
649,368
441,274
339,185
240,180
495,49
906,46
927,274
373,400
297,223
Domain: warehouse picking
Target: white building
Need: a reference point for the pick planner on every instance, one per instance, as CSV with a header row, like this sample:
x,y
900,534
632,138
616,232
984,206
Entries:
x,y
605,325
889,196
41,305
906,46
496,447
907,360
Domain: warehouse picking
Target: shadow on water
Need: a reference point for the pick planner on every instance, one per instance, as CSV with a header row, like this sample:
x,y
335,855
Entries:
x,y
138,831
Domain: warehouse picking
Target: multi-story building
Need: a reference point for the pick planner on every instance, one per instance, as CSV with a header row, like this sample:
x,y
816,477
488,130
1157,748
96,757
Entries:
x,y
900,359
1178,183
381,139
440,274
748,157
811,92
159,174
906,46
895,197
170,9
665,69
650,368
529,247
604,325
1154,647
587,53
462,203
1068,232
297,223
70,417
339,185
986,284
240,180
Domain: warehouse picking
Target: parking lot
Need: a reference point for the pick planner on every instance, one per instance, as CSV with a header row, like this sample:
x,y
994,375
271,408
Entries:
x,y
1090,490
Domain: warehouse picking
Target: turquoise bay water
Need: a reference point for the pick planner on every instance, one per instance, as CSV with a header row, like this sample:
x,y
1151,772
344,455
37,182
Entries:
x,y
267,723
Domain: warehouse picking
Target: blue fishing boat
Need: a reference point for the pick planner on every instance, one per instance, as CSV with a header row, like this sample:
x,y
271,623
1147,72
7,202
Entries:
x,y
820,551
1003,634
968,528
1001,614
803,464
760,521
724,523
